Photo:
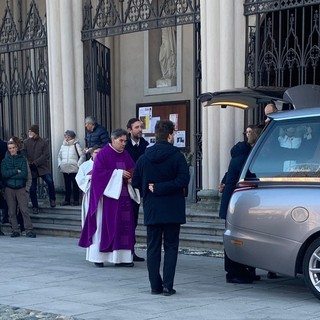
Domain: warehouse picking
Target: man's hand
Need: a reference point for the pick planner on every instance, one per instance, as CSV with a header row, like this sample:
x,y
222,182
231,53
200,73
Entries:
x,y
126,174
221,187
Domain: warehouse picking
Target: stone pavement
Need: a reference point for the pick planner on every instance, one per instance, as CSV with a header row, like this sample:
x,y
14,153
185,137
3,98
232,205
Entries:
x,y
48,278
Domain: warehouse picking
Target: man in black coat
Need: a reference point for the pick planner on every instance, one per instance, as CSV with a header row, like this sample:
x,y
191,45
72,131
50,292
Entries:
x,y
136,145
161,174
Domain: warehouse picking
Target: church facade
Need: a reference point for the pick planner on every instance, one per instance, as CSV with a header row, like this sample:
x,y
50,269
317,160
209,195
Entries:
x,y
63,60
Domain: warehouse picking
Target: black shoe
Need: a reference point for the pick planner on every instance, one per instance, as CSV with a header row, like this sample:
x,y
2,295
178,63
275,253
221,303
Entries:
x,y
76,203
15,234
65,203
5,220
1,233
52,203
272,275
31,234
253,275
137,259
167,292
124,264
99,264
35,210
239,280
155,291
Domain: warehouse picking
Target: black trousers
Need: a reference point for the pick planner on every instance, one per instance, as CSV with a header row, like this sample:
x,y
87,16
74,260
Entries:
x,y
71,186
169,233
135,208
234,269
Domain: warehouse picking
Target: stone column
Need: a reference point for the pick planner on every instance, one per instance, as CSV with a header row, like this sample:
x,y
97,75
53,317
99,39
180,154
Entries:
x,y
65,56
223,43
227,61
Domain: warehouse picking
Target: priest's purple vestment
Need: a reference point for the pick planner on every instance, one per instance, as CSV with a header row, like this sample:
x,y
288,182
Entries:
x,y
117,229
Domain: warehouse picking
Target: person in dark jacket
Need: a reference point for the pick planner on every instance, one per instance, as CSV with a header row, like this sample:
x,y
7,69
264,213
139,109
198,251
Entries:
x,y
96,135
38,155
161,174
14,170
236,272
136,147
3,203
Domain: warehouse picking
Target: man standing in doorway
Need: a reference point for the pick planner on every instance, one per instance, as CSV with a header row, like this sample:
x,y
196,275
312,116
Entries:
x,y
136,146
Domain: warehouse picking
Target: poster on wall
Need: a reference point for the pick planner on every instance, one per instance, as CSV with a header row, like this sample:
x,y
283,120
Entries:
x,y
151,140
154,121
174,117
176,111
180,139
145,116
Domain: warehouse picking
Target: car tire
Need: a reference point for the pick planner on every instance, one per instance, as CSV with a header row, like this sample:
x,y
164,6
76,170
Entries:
x,y
311,268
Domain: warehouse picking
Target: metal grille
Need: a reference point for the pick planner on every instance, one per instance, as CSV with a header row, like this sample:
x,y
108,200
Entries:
x,y
198,107
114,17
97,82
24,88
283,48
265,6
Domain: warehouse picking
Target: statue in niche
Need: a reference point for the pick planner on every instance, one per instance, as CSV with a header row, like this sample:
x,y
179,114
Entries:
x,y
168,57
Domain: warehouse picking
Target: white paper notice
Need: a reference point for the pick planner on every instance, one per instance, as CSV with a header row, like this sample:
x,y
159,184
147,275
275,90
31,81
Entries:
x,y
174,117
153,123
180,139
145,116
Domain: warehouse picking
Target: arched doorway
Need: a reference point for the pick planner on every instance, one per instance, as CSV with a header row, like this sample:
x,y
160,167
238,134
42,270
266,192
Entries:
x,y
113,17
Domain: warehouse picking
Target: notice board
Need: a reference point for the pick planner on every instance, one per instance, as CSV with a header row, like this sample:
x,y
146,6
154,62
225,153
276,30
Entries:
x,y
176,111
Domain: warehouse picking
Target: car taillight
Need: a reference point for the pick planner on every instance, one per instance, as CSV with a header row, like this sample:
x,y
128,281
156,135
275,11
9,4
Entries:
x,y
246,185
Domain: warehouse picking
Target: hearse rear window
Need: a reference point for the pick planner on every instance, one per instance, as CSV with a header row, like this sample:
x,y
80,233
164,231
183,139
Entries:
x,y
290,150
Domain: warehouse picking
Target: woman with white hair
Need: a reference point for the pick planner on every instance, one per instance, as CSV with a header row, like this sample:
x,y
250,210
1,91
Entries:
x,y
70,157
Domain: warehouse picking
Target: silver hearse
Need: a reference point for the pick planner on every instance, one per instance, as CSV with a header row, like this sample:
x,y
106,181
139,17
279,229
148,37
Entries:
x,y
273,220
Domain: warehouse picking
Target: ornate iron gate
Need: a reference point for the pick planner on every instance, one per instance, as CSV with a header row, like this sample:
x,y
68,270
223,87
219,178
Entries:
x,y
116,17
283,46
97,86
24,88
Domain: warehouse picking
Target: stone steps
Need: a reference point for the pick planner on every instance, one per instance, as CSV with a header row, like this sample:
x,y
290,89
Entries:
x,y
203,229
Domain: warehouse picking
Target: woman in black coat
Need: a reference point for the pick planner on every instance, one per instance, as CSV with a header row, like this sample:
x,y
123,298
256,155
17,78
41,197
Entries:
x,y
236,272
